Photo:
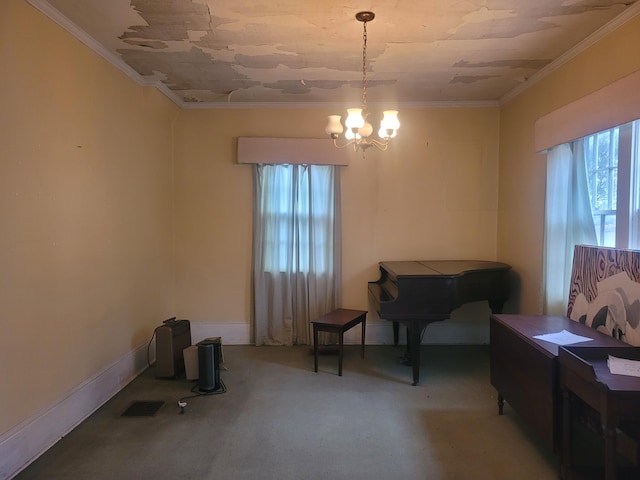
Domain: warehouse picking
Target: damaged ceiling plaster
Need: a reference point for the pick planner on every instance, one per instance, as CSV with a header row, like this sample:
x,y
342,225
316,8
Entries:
x,y
208,53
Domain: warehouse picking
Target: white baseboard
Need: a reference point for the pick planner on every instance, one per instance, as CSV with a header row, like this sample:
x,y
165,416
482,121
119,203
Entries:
x,y
27,441
231,333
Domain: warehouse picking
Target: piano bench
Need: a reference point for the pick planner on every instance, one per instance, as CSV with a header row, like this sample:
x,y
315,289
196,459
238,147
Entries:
x,y
338,321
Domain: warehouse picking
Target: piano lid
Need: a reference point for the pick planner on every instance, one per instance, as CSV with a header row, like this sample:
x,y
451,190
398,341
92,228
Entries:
x,y
439,268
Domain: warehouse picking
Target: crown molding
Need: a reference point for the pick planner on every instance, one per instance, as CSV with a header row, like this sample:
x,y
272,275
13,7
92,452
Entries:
x,y
63,21
339,105
570,54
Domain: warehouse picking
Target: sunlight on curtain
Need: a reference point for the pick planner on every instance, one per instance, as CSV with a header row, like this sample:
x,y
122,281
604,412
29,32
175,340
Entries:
x,y
568,222
296,250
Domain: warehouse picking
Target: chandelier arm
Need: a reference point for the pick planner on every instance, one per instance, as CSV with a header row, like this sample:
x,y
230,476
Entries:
x,y
364,146
376,143
350,142
362,143
381,146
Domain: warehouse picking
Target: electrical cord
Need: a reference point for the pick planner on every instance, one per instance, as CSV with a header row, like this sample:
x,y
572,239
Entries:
x,y
148,347
182,403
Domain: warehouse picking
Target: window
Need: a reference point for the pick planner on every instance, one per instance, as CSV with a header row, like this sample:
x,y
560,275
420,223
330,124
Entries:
x,y
296,250
592,198
297,218
612,159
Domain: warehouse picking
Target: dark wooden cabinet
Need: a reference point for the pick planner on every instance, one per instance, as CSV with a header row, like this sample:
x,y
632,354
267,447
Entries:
x,y
524,370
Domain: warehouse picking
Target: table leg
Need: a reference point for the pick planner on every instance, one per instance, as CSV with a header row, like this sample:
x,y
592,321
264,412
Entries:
x,y
315,348
565,448
364,326
341,344
609,433
500,404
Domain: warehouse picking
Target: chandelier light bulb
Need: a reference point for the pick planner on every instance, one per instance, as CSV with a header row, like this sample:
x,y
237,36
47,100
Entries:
x,y
334,127
389,124
354,118
351,134
390,120
386,134
366,130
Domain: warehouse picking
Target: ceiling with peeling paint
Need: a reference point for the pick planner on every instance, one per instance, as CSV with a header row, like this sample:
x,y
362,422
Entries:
x,y
208,53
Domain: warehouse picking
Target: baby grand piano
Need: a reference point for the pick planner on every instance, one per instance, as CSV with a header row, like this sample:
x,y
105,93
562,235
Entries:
x,y
417,293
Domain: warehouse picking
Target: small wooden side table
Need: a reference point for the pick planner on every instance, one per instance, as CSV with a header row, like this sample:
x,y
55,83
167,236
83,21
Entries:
x,y
338,321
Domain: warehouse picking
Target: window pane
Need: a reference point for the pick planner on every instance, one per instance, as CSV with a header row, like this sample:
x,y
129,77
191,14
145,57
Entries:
x,y
613,198
602,189
609,231
601,160
615,134
297,202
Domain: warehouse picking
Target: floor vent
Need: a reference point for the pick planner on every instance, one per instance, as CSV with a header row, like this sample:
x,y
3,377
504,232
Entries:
x,y
143,409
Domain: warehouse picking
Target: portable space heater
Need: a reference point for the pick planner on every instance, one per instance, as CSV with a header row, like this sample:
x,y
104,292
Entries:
x,y
172,337
209,356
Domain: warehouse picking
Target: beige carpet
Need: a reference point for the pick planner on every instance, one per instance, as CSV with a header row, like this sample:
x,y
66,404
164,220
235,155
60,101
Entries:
x,y
280,420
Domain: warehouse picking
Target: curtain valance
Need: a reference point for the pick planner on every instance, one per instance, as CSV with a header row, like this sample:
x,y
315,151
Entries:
x,y
300,151
616,104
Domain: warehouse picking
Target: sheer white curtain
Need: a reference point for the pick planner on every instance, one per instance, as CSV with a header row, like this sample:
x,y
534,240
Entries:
x,y
568,222
296,250
634,187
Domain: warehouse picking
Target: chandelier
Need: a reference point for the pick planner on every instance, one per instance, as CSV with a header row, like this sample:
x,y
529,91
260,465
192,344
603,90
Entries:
x,y
358,129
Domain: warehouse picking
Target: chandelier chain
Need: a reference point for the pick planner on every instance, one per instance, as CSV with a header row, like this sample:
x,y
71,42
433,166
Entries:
x,y
364,67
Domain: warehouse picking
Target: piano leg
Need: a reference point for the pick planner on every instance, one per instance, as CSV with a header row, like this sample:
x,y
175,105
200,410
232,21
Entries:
x,y
496,305
395,333
406,358
414,335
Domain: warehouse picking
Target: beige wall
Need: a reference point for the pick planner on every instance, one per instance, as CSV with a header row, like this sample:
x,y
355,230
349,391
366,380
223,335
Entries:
x,y
89,198
433,194
85,213
523,171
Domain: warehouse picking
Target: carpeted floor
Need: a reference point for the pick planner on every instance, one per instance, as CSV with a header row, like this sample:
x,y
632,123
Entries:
x,y
280,420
